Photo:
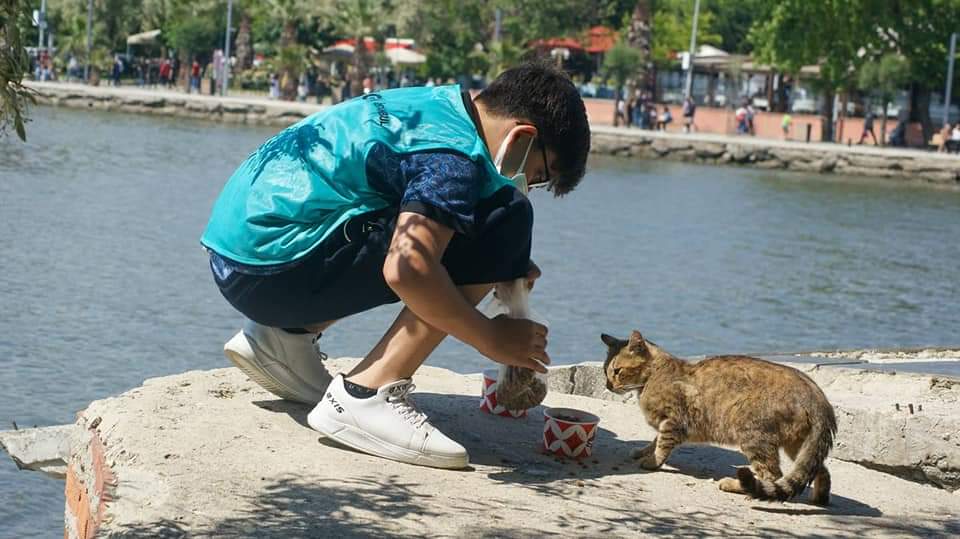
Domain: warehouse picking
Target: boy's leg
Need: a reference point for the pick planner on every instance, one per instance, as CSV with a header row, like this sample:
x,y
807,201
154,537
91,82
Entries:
x,y
406,345
370,411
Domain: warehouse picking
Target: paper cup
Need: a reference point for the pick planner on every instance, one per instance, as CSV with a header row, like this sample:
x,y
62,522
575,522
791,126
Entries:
x,y
488,397
568,432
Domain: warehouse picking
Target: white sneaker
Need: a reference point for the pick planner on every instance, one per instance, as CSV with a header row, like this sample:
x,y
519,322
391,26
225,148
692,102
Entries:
x,y
386,425
287,365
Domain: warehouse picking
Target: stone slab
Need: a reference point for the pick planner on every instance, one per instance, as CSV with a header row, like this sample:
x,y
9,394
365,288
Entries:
x,y
210,454
42,449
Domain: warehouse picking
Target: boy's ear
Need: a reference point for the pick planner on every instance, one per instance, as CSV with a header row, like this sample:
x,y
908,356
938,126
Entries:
x,y
612,342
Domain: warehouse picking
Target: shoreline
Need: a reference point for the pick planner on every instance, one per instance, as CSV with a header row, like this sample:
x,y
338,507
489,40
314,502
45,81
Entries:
x,y
916,166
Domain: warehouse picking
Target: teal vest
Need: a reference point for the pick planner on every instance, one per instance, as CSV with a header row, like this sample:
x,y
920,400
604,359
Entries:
x,y
303,183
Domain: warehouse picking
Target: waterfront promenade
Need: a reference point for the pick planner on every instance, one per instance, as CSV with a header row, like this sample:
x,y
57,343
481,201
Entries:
x,y
896,163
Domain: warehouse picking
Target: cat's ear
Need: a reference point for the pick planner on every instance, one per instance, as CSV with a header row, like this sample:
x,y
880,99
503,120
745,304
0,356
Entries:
x,y
636,342
612,342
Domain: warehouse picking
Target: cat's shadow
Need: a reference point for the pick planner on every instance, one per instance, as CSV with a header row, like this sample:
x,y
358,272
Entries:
x,y
514,446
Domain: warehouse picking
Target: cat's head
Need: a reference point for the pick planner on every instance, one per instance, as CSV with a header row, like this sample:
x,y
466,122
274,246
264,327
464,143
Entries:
x,y
627,362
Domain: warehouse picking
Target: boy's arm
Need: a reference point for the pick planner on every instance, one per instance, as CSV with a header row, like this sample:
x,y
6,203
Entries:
x,y
414,271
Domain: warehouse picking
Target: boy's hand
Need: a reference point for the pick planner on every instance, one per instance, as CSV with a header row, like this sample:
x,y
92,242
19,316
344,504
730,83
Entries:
x,y
518,342
533,273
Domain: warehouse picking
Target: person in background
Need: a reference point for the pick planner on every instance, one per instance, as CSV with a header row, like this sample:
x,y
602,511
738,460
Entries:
x,y
210,71
117,70
321,87
274,86
195,76
302,88
636,108
72,68
689,110
868,128
785,125
741,117
620,109
955,139
665,119
165,71
945,133
898,137
751,112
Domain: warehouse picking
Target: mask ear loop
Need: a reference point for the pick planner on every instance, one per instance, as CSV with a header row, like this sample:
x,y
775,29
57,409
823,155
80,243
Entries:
x,y
523,164
502,152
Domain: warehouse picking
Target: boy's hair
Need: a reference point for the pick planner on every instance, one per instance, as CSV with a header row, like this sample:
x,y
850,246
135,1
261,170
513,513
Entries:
x,y
540,93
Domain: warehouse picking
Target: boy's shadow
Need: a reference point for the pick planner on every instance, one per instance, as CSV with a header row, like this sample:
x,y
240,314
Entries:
x,y
515,447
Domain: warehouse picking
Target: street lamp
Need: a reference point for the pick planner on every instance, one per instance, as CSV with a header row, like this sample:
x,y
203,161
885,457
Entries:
x,y
946,94
226,51
693,52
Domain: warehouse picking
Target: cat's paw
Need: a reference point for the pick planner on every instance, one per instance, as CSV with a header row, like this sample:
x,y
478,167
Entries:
x,y
731,484
648,462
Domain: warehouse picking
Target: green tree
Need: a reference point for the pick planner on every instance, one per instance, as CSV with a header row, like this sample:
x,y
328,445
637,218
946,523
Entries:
x,y
449,30
732,20
884,78
14,97
672,23
918,30
620,64
828,33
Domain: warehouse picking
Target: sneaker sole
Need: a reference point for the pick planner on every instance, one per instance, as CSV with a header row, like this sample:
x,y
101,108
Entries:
x,y
355,438
239,351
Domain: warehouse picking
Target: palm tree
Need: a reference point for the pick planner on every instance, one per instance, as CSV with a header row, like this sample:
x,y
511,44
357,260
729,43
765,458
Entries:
x,y
358,19
640,37
291,14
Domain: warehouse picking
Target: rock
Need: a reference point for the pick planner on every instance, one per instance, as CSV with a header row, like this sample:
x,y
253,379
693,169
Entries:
x,y
710,150
661,147
739,154
872,162
810,166
770,164
948,177
844,168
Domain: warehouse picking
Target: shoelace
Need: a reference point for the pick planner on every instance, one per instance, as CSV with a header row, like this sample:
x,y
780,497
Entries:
x,y
316,348
405,408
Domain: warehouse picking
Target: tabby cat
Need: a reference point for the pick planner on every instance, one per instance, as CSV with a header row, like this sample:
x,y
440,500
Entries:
x,y
740,401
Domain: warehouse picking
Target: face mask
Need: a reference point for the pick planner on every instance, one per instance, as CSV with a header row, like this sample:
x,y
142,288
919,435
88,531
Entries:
x,y
520,178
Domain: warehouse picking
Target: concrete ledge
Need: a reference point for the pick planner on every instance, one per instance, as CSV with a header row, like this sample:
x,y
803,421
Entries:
x,y
167,103
44,449
901,164
904,424
911,165
210,454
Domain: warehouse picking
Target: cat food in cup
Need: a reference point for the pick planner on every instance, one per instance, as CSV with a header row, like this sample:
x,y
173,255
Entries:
x,y
488,397
568,432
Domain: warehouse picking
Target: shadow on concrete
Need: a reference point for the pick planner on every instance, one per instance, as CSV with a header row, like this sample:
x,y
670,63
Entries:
x,y
365,506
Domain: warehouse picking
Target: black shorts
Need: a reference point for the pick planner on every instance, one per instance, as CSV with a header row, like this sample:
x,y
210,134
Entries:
x,y
344,274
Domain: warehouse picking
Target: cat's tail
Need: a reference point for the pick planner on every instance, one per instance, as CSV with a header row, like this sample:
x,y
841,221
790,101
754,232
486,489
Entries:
x,y
807,467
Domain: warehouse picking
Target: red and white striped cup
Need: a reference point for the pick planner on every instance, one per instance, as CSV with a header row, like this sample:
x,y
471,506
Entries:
x,y
488,397
568,432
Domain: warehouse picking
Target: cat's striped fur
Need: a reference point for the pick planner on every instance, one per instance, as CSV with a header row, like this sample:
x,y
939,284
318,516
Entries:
x,y
755,405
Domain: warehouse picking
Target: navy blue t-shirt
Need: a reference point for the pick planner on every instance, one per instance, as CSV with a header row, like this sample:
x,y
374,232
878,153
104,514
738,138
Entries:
x,y
443,186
